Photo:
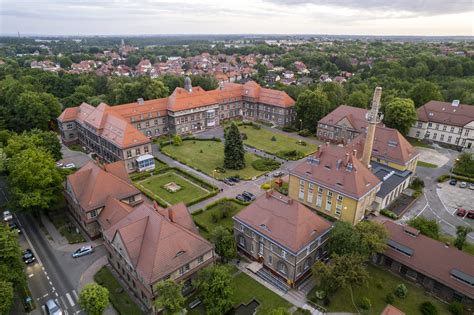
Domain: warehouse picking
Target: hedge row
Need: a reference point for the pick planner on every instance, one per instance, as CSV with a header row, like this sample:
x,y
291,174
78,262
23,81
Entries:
x,y
389,214
166,143
445,177
212,204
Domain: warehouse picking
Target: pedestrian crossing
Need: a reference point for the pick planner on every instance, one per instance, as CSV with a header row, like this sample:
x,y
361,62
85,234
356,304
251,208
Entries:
x,y
68,302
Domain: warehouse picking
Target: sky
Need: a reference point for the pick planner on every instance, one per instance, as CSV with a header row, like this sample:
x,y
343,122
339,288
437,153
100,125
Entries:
x,y
138,17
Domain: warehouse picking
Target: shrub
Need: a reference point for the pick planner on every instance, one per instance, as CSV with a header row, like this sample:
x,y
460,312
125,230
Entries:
x,y
320,294
266,186
456,308
256,126
401,291
290,154
426,227
220,169
288,129
390,298
243,136
304,133
428,308
265,164
177,140
389,214
274,138
417,184
365,303
214,217
300,142
226,208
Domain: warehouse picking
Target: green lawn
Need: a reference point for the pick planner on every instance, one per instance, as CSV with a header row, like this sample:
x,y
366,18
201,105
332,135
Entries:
x,y
418,143
246,289
380,284
206,156
426,164
262,140
188,192
212,217
122,302
63,223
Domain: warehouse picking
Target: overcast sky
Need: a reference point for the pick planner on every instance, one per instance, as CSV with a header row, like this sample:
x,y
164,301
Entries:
x,y
134,17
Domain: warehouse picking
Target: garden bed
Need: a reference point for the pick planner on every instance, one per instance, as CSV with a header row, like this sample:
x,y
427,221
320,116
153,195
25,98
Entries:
x,y
64,224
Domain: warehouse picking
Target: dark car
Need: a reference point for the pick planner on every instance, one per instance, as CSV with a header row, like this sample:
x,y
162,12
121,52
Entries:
x,y
228,181
249,195
453,182
28,256
14,227
470,214
234,179
461,212
241,198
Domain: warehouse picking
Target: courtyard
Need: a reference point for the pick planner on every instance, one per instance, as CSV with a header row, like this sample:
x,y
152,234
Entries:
x,y
207,156
275,143
173,187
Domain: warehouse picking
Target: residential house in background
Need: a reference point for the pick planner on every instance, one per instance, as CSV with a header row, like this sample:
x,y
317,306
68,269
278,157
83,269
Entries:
x,y
87,190
283,235
441,269
443,122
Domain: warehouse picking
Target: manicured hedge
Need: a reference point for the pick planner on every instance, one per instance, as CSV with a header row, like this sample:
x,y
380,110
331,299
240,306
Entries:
x,y
265,164
445,177
389,214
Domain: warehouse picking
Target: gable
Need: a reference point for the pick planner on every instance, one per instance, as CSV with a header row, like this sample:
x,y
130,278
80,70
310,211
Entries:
x,y
344,122
119,245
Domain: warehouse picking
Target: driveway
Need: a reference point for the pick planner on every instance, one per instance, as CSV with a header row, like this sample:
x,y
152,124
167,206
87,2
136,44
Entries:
x,y
432,156
76,157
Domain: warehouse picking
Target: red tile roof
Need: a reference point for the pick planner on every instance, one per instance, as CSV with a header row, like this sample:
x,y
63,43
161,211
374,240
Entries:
x,y
92,184
157,244
355,116
283,220
337,169
446,113
431,258
391,310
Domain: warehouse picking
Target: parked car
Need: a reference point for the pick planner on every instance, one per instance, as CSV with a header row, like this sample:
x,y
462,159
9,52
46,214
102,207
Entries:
x,y
470,214
278,174
59,164
461,212
471,186
453,182
70,165
52,308
84,250
28,256
463,185
234,179
7,216
14,227
249,195
241,198
228,181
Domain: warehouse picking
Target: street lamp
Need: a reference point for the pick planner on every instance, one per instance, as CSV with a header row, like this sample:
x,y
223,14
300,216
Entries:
x,y
301,124
214,179
452,168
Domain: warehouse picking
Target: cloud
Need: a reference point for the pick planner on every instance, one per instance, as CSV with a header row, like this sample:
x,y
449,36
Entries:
x,y
415,7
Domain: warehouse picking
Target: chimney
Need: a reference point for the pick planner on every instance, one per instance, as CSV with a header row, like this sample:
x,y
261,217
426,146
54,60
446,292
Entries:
x,y
347,158
268,193
373,118
290,201
338,164
171,214
140,101
354,153
155,205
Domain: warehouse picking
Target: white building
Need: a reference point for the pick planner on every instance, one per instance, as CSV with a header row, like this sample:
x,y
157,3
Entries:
x,y
449,123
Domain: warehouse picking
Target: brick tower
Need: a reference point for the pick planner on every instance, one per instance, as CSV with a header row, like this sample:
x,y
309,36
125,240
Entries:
x,y
373,118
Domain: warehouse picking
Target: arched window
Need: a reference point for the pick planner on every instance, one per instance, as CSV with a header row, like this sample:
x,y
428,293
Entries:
x,y
242,241
282,268
148,133
308,262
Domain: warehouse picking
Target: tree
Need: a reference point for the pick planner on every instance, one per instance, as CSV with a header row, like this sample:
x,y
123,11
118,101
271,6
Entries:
x,y
365,239
428,308
461,235
279,311
169,297
94,298
425,91
155,88
400,114
464,165
214,285
310,107
358,99
234,152
224,243
11,265
35,181
343,272
177,140
6,296
334,92
426,227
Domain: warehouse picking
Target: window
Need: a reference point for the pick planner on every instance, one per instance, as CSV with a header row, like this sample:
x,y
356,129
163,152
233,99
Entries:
x,y
145,148
139,126
200,259
435,135
270,259
282,268
184,269
417,134
442,137
437,126
242,241
69,126
129,154
430,124
449,138
308,262
329,201
466,133
301,191
420,124
427,134
137,151
93,213
310,193
260,248
242,227
147,124
444,127
452,129
283,254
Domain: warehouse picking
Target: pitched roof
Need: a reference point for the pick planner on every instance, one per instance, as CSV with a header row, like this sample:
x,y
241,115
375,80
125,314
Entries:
x,y
431,258
446,113
283,220
92,184
391,310
157,244
113,211
338,169
355,116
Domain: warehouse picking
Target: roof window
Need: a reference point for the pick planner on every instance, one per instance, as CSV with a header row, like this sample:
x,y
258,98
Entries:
x,y
179,253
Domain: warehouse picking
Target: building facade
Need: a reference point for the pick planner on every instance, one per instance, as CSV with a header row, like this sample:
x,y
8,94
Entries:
x,y
443,122
440,269
124,132
283,235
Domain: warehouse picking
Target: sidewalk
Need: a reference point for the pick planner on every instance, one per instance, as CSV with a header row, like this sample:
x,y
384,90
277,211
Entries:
x,y
88,277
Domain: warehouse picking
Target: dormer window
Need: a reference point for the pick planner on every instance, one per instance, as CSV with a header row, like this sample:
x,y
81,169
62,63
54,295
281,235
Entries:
x,y
179,253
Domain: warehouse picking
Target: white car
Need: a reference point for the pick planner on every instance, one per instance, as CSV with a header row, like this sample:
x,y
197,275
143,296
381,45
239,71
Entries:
x,y
471,186
59,164
84,250
70,165
7,216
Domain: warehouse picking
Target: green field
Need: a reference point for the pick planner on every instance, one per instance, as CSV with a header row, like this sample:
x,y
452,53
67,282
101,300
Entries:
x,y
188,192
206,156
426,164
380,284
262,140
212,217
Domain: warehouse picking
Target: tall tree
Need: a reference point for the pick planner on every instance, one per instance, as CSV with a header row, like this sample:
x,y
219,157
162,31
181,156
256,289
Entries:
x,y
6,296
224,243
155,89
358,99
461,235
35,181
425,91
310,107
94,298
343,272
170,298
335,93
214,285
234,152
400,114
426,227
47,140
11,266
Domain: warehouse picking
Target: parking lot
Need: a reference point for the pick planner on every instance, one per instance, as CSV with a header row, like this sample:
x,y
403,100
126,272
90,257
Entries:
x,y
454,197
